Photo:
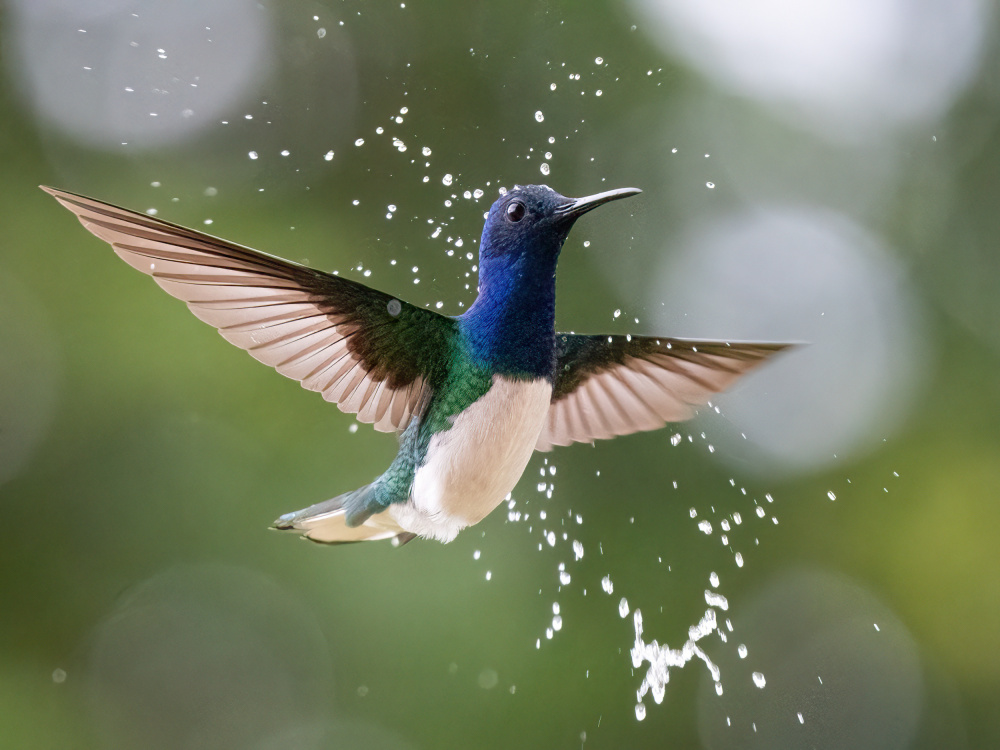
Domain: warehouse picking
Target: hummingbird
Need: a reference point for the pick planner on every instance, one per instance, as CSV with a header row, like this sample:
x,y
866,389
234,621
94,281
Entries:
x,y
470,397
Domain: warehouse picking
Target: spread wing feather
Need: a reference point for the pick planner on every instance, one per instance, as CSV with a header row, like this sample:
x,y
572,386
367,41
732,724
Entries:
x,y
616,385
369,353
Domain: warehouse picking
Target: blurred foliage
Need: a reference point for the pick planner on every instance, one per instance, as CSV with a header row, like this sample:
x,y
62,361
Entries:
x,y
155,454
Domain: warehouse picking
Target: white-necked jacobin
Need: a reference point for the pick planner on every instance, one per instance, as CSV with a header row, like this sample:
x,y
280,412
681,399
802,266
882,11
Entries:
x,y
471,397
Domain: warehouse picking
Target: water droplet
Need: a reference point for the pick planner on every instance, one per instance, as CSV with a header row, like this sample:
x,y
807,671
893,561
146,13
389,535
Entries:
x,y
640,711
577,549
328,156
252,154
607,585
623,607
705,526
544,168
831,495
359,142
742,650
710,185
488,679
713,579
321,32
713,599
739,560
539,117
599,61
758,679
447,179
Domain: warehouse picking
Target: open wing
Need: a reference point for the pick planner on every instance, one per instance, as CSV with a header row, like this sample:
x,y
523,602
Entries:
x,y
368,352
616,385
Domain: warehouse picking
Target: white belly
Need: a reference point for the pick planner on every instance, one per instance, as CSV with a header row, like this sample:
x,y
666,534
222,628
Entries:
x,y
471,467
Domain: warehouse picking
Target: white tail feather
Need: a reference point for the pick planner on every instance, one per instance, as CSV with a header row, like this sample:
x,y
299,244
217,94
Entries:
x,y
327,523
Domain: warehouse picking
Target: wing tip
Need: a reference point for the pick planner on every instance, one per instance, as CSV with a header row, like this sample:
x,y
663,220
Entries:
x,y
62,196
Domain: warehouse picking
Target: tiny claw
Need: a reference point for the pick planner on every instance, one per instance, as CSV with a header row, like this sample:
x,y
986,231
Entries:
x,y
402,538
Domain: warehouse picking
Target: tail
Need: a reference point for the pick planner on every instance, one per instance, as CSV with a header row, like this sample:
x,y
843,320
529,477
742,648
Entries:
x,y
326,522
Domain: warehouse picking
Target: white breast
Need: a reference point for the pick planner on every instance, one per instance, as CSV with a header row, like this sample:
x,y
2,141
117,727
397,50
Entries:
x,y
471,467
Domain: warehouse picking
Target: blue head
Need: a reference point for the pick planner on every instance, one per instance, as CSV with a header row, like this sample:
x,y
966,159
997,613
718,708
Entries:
x,y
527,226
511,324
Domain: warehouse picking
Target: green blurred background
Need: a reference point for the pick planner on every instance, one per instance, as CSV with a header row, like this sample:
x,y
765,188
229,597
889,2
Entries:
x,y
820,172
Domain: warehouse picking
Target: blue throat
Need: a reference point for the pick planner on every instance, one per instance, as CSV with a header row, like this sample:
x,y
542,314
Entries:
x,y
510,328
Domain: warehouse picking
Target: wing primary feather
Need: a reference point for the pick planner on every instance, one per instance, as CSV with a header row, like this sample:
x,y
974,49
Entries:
x,y
327,331
315,349
614,385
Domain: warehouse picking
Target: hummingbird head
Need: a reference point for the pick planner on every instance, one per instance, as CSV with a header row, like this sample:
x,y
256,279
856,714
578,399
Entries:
x,y
511,324
530,223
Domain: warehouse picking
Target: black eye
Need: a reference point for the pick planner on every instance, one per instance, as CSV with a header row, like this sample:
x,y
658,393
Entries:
x,y
515,211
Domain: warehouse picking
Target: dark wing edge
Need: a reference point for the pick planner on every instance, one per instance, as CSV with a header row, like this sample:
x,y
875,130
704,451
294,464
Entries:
x,y
616,385
368,352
